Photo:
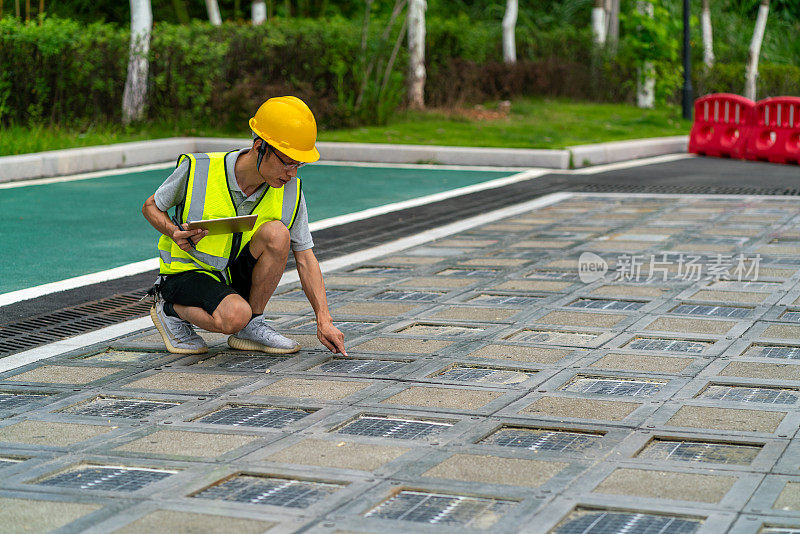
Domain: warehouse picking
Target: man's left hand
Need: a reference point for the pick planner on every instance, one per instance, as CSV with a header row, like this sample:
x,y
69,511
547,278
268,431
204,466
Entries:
x,y
331,337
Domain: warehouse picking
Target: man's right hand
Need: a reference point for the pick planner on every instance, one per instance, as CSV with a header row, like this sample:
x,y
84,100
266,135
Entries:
x,y
183,236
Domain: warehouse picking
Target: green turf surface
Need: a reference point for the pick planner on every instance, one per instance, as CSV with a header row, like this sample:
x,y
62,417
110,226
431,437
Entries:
x,y
56,231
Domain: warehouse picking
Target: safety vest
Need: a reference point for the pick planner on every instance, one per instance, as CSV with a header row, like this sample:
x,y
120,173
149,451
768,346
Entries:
x,y
208,196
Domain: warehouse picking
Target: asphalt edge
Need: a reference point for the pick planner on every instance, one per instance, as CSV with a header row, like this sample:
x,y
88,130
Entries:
x,y
119,156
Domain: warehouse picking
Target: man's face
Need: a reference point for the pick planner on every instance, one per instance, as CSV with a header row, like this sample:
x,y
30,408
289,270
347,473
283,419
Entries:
x,y
277,168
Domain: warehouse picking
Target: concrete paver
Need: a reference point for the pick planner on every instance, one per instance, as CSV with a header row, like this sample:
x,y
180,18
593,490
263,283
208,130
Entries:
x,y
603,371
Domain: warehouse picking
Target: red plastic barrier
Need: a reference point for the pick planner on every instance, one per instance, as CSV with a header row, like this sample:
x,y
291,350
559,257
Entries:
x,y
721,125
775,130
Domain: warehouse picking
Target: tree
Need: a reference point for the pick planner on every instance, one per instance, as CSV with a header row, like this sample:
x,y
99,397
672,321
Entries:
x,y
708,38
258,10
213,12
599,22
509,27
645,79
416,53
751,71
612,27
133,97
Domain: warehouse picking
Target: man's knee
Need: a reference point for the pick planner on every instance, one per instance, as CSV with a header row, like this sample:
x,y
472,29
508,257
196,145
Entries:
x,y
274,236
232,314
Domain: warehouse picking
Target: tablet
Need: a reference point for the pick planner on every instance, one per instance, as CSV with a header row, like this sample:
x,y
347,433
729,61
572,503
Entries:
x,y
227,225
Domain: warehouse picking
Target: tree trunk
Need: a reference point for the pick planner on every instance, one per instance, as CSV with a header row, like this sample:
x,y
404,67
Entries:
x,y
612,25
258,12
645,79
416,53
509,27
212,7
133,97
599,22
751,71
708,38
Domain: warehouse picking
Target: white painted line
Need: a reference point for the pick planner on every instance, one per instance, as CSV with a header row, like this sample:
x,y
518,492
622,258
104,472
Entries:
x,y
443,231
59,347
65,345
633,163
79,281
87,175
428,199
151,264
743,198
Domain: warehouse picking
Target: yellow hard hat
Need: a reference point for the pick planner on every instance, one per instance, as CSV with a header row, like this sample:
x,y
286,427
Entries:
x,y
286,123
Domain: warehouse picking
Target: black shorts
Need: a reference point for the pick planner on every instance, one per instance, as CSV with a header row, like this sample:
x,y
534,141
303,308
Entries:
x,y
201,290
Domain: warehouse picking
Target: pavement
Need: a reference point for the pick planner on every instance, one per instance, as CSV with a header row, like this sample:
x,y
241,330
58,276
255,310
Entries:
x,y
593,362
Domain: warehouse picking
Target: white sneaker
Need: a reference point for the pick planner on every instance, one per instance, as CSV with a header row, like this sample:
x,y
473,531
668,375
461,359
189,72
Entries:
x,y
258,335
178,335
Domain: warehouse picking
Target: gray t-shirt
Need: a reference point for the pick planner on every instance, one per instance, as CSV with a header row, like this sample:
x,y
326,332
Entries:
x,y
170,194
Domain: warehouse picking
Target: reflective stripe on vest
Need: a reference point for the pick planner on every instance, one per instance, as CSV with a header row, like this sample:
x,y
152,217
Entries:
x,y
208,196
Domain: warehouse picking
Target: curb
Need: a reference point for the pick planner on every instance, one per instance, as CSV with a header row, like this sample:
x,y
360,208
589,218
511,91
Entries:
x,y
100,158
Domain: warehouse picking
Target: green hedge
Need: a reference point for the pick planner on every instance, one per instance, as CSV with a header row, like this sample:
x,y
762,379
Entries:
x,y
58,71
773,80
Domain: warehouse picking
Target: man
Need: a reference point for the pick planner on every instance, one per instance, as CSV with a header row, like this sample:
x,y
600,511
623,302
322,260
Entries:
x,y
222,282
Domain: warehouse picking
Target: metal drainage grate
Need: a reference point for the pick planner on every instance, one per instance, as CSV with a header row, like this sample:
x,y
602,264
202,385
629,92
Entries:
x,y
464,373
381,270
535,439
607,304
711,311
390,427
552,275
441,509
413,296
750,394
505,300
107,478
683,189
599,522
553,336
613,386
700,451
782,352
344,326
256,416
284,492
669,345
124,408
15,400
467,272
730,285
791,316
299,294
246,363
433,330
30,333
360,367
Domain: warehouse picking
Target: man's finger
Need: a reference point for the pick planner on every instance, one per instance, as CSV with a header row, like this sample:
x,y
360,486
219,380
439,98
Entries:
x,y
339,342
327,343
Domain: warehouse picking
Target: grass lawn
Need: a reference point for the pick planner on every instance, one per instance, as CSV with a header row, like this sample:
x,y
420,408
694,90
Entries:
x,y
530,123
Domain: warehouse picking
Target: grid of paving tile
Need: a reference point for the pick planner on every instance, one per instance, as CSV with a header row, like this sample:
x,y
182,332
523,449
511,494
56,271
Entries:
x,y
489,387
